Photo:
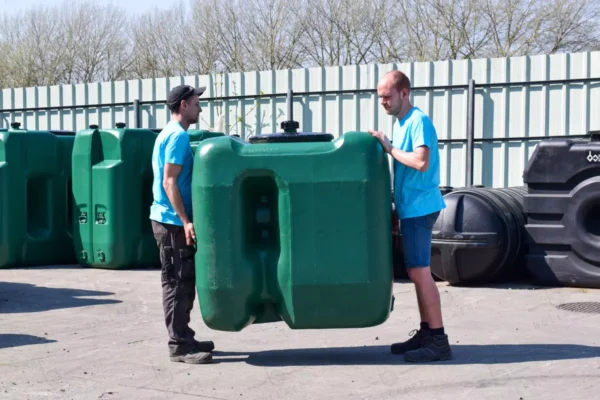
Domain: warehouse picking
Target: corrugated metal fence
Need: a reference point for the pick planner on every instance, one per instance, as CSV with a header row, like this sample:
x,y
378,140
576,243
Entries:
x,y
517,101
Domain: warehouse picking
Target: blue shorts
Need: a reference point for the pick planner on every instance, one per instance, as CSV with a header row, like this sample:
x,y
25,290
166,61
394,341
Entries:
x,y
416,239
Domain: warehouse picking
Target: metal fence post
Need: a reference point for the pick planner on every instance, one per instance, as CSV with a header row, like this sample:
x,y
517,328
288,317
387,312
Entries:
x,y
470,133
136,114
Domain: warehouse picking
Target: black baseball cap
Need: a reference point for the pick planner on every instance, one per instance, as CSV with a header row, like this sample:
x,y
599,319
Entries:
x,y
182,92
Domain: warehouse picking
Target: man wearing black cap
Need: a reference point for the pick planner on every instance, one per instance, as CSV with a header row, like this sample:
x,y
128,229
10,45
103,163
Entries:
x,y
171,215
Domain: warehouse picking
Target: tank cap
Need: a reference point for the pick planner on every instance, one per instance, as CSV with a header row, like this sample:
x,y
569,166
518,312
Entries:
x,y
594,136
15,125
290,126
93,126
121,125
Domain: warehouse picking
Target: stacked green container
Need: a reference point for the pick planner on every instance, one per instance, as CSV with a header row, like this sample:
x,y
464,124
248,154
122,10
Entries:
x,y
112,188
35,197
298,232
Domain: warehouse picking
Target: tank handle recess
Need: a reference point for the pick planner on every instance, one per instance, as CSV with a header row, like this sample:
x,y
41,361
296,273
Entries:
x,y
290,132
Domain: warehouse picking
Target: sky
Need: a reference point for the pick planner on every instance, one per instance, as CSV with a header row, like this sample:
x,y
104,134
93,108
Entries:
x,y
133,6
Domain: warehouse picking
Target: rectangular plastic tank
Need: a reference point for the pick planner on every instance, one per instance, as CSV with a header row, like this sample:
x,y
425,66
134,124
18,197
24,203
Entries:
x,y
562,205
298,232
113,194
35,198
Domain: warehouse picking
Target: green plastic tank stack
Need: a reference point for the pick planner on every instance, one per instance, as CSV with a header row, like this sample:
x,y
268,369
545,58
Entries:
x,y
112,188
35,197
198,136
293,227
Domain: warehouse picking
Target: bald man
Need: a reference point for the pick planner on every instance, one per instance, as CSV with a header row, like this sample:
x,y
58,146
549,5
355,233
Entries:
x,y
418,202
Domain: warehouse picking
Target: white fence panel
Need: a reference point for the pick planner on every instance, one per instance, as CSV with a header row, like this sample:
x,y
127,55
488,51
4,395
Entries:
x,y
517,101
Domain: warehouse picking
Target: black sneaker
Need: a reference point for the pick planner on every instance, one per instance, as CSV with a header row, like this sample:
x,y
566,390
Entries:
x,y
189,354
193,358
435,348
413,343
206,347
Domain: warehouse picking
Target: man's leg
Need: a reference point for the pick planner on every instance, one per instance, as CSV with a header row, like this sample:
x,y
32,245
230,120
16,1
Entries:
x,y
435,345
422,313
178,283
430,343
428,296
408,228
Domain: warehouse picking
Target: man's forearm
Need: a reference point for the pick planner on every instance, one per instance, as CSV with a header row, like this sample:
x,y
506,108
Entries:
x,y
411,160
175,198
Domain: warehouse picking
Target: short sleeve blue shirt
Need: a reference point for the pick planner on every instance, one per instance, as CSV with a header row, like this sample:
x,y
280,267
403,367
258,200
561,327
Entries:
x,y
416,193
172,146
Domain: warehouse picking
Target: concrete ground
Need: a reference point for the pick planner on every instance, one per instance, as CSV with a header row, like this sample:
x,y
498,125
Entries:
x,y
74,333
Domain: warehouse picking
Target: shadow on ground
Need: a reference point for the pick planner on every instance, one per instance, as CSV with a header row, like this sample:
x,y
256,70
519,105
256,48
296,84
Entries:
x,y
514,285
8,340
380,355
26,298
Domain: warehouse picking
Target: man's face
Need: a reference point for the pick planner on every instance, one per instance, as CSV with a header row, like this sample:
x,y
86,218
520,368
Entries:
x,y
191,111
391,99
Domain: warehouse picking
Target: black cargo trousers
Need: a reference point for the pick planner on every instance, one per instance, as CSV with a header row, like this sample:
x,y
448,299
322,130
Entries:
x,y
178,276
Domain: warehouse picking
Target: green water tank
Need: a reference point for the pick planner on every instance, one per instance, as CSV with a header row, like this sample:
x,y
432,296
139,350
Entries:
x,y
35,197
112,189
294,228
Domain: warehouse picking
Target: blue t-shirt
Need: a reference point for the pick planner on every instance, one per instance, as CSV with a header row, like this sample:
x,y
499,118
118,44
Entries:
x,y
416,193
172,146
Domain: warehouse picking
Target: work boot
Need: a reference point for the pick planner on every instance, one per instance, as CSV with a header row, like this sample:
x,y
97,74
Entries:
x,y
413,343
205,347
189,355
435,348
193,358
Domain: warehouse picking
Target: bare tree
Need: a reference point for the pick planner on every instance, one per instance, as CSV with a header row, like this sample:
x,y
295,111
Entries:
x,y
461,25
159,44
516,26
570,26
341,32
322,43
96,42
230,31
36,55
273,34
390,33
83,41
425,42
204,44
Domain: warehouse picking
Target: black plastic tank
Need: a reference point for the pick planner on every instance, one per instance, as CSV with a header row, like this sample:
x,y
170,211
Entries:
x,y
563,212
446,189
480,237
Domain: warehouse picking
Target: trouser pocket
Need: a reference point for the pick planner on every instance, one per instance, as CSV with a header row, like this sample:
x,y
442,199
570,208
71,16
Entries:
x,y
187,267
167,262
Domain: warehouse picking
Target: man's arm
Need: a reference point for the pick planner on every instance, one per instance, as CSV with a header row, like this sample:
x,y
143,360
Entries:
x,y
419,157
171,172
175,151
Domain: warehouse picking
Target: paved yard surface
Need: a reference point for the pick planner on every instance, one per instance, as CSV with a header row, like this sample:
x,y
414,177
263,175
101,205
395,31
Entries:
x,y
74,333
